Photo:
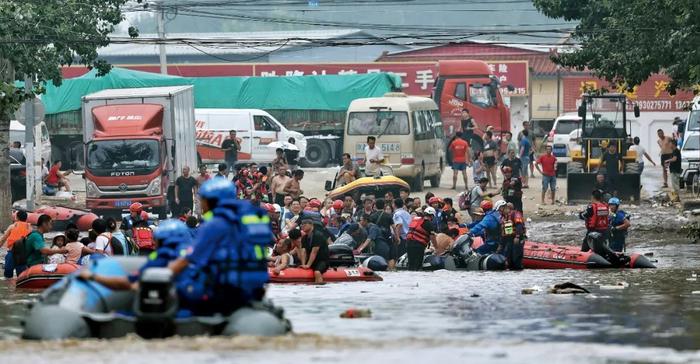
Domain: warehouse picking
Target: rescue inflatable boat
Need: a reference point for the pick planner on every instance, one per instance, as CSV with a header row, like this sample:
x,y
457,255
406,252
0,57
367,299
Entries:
x,y
551,256
62,216
74,308
42,276
377,186
335,274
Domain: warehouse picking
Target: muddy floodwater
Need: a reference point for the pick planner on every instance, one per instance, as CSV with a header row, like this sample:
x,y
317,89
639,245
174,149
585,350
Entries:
x,y
635,316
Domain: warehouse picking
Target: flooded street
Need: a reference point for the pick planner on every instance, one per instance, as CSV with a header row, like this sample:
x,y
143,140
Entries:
x,y
655,317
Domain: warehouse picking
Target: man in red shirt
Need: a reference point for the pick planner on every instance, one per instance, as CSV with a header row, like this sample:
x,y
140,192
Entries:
x,y
548,163
460,158
57,179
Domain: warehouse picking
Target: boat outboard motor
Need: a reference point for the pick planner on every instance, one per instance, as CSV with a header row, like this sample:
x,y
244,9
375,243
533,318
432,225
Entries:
x,y
462,250
156,304
340,255
376,263
493,262
433,262
597,242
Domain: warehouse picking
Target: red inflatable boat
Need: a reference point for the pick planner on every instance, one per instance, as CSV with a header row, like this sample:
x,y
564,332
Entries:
x,y
42,276
62,216
340,274
550,256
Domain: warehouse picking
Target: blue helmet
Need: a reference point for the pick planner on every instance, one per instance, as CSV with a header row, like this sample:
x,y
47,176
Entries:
x,y
614,201
218,188
172,232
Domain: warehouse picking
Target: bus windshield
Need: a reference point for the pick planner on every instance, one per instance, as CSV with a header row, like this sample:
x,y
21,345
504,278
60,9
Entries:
x,y
390,123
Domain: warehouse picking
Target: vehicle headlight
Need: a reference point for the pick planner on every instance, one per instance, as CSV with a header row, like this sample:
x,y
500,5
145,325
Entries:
x,y
154,187
91,190
693,165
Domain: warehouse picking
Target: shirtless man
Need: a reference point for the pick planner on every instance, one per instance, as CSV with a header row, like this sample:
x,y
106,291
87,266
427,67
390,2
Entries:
x,y
666,146
277,184
293,187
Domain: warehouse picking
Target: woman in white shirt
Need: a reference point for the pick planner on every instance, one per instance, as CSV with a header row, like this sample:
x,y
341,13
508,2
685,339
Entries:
x,y
641,153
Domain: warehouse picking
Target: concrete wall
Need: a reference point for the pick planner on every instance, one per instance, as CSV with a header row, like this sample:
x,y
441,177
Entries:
x,y
648,123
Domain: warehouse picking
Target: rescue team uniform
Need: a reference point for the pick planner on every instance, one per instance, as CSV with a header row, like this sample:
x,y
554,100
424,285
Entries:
x,y
513,239
512,190
417,239
228,260
490,227
596,217
618,237
19,230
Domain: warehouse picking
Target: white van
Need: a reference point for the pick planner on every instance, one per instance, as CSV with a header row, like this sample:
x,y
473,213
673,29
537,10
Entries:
x,y
562,138
41,137
256,128
692,123
690,156
408,129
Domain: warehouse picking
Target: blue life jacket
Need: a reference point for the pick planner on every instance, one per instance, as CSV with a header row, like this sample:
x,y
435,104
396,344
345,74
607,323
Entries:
x,y
617,219
238,260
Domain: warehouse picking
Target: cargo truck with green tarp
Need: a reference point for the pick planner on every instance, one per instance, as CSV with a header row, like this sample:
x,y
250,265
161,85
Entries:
x,y
312,105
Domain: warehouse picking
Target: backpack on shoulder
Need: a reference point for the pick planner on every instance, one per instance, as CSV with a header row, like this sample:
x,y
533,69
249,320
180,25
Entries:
x,y
20,252
143,238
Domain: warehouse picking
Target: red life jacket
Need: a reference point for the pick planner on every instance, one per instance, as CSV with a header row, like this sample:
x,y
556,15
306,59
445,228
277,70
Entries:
x,y
599,218
416,232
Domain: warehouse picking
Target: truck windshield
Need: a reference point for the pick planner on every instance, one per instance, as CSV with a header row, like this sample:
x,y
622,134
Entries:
x,y
134,154
390,123
693,120
692,143
481,96
604,113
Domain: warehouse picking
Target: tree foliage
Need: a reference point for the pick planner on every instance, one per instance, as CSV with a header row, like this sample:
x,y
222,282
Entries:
x,y
39,36
626,41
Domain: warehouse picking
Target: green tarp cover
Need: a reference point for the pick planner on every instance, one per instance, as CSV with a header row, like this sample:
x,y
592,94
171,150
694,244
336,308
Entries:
x,y
328,92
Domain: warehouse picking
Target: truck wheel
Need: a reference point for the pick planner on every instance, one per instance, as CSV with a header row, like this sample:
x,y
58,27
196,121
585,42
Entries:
x,y
318,153
435,180
418,181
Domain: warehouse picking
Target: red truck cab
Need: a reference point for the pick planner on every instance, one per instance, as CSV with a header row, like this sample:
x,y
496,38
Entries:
x,y
469,84
125,159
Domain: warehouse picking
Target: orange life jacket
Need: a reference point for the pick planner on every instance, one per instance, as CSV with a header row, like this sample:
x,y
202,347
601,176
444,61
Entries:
x,y
416,232
598,220
18,231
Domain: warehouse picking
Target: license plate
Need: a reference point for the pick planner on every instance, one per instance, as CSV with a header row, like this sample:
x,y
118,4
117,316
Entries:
x,y
122,203
386,147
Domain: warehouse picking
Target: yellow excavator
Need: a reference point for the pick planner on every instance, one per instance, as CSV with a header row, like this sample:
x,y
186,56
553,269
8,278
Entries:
x,y
603,122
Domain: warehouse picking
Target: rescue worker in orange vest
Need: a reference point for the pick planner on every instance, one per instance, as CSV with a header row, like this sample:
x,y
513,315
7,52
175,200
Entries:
x,y
596,218
512,237
16,231
421,232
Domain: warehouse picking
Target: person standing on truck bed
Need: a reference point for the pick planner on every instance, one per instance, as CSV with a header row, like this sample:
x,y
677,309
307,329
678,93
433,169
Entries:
x,y
185,190
231,146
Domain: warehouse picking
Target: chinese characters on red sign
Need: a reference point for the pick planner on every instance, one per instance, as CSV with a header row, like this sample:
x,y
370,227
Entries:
x,y
650,96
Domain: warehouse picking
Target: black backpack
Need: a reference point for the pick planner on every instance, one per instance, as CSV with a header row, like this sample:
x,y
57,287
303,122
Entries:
x,y
117,247
20,251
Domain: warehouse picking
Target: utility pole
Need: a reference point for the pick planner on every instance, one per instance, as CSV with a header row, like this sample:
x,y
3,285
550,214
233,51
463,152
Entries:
x,y
161,38
30,165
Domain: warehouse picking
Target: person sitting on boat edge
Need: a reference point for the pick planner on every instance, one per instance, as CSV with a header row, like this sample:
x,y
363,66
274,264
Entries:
x,y
282,257
619,225
490,226
315,250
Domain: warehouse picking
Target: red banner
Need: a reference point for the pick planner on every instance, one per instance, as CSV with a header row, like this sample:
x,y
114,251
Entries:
x,y
650,95
417,77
